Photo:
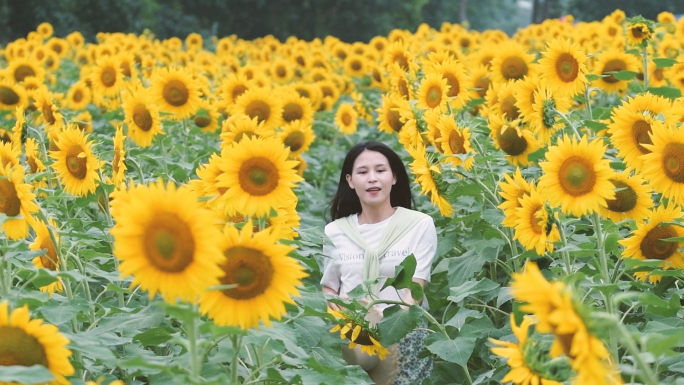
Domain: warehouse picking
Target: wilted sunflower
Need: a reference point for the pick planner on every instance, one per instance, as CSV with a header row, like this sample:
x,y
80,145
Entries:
x,y
576,177
613,60
106,77
28,342
512,191
74,162
535,229
432,93
664,165
266,279
511,62
12,95
632,198
454,140
346,118
359,332
633,124
166,241
389,119
298,136
564,67
521,372
258,176
49,260
141,117
175,91
262,104
16,201
648,241
79,96
516,141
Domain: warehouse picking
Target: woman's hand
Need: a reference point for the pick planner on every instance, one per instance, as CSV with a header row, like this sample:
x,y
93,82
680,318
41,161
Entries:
x,y
327,290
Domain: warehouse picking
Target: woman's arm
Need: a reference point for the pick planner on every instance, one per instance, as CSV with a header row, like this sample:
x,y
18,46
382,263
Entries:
x,y
327,290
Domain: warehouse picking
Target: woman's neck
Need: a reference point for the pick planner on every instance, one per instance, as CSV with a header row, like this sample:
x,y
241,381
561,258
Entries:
x,y
370,215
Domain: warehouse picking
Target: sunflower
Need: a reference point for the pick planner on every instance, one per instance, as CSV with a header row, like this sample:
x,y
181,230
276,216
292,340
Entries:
x,y
44,30
107,77
521,372
515,141
74,162
207,117
296,107
12,95
546,106
32,159
638,33
457,80
576,177
281,71
429,177
9,153
78,96
513,189
258,175
298,136
359,332
511,62
175,91
262,104
284,223
240,126
141,117
633,124
84,121
506,102
613,60
535,228
664,165
54,120
524,92
648,240
432,93
16,201
355,65
49,260
28,342
118,165
18,131
400,83
632,198
166,241
454,140
398,53
264,276
19,69
346,118
564,67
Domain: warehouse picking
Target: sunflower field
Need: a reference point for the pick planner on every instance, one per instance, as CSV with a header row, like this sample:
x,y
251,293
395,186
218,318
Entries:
x,y
162,204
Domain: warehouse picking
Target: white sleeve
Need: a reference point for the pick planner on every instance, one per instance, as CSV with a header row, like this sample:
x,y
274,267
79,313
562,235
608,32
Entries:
x,y
425,249
331,268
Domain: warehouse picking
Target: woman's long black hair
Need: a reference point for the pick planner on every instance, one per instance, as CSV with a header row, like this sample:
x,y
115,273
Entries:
x,y
346,202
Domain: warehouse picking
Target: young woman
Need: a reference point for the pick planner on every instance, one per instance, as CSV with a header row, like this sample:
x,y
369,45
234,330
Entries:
x,y
374,228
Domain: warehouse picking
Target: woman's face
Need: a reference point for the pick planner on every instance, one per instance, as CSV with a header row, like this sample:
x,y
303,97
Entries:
x,y
372,179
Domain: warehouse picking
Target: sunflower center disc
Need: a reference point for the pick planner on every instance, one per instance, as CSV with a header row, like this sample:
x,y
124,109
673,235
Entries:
x,y
454,85
108,76
258,176
169,243
32,164
22,72
116,160
295,141
434,97
641,131
356,65
9,201
456,142
47,113
281,72
653,246
567,67
176,93
8,97
576,176
78,96
625,199
292,112
237,91
636,32
49,259
535,223
258,109
610,66
362,339
346,119
126,69
77,166
202,121
19,348
403,88
511,143
482,85
250,269
508,108
673,161
376,75
514,67
142,117
402,61
394,122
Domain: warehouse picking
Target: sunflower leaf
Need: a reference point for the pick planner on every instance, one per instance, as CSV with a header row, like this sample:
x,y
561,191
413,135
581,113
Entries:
x,y
664,62
667,92
457,351
624,75
397,323
25,374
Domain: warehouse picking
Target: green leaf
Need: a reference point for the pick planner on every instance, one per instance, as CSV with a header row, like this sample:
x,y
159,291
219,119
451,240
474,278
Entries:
x,y
461,269
462,316
664,62
624,75
154,336
457,351
36,374
59,314
673,239
470,288
596,126
403,278
667,92
398,323
592,77
45,277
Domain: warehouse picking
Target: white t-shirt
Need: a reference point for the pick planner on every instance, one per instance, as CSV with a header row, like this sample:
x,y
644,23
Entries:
x,y
343,269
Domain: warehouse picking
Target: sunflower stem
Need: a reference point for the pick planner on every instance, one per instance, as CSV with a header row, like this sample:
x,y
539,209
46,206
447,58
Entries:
x,y
4,276
644,55
587,93
193,333
569,123
234,362
565,254
603,260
